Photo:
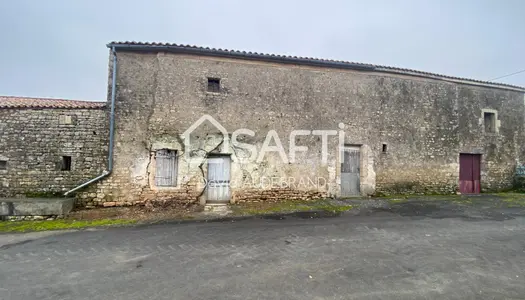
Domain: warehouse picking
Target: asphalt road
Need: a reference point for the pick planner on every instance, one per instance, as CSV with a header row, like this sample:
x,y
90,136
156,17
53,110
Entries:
x,y
375,255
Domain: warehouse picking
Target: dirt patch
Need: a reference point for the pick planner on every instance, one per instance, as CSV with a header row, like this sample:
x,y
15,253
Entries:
x,y
262,208
139,213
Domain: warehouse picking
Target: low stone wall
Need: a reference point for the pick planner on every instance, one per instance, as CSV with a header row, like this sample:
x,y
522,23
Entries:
x,y
276,195
109,193
22,207
189,194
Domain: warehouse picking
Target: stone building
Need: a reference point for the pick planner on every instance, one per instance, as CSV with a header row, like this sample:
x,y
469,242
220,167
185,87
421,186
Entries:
x,y
190,124
48,146
200,124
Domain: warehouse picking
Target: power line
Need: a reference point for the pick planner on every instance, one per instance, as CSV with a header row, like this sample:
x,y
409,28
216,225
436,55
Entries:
x,y
508,75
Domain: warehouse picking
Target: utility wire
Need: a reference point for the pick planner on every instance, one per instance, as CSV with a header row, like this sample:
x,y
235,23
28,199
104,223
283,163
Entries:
x,y
507,75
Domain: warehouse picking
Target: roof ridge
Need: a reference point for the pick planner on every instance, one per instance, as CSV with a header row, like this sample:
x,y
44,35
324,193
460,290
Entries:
x,y
33,102
47,98
142,46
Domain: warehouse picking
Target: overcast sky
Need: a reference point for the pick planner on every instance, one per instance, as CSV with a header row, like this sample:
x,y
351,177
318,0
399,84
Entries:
x,y
58,48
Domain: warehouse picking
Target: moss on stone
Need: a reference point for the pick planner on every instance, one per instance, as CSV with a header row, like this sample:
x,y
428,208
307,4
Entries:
x,y
35,194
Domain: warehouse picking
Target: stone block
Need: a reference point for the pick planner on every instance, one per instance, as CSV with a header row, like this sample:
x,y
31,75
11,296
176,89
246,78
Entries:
x,y
6,208
36,206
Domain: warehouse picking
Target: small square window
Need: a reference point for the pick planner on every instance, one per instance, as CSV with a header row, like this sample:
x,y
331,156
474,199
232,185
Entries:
x,y
3,164
384,148
66,163
65,120
489,119
214,85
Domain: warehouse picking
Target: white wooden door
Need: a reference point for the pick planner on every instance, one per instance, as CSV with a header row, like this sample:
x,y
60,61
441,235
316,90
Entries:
x,y
218,185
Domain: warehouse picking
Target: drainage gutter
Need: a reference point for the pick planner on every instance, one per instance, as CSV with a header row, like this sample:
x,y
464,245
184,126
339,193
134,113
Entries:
x,y
111,129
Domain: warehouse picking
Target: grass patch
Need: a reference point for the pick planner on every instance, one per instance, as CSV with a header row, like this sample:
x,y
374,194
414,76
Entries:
x,y
391,196
288,207
464,201
330,207
397,200
511,195
404,199
23,226
496,199
456,199
512,199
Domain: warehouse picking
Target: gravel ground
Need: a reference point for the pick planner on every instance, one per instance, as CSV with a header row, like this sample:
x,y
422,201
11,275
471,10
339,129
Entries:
x,y
437,250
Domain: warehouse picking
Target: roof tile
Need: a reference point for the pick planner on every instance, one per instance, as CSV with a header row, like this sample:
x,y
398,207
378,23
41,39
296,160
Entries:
x,y
27,102
336,63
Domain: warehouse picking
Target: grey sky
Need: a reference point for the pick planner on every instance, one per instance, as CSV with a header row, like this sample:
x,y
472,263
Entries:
x,y
57,48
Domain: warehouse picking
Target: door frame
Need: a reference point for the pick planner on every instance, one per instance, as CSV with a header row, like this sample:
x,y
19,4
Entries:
x,y
476,186
341,156
218,155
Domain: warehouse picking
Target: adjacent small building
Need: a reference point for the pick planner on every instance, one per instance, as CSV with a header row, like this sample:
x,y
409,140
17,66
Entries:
x,y
48,146
193,124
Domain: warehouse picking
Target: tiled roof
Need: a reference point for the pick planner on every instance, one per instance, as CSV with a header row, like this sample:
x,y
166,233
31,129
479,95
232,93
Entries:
x,y
26,102
146,46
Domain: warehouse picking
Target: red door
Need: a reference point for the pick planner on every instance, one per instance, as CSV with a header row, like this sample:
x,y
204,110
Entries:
x,y
469,173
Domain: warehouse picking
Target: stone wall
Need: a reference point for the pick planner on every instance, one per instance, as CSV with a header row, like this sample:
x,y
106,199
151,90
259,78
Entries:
x,y
33,142
424,123
275,194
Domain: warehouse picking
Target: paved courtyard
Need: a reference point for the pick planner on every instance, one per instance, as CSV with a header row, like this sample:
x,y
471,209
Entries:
x,y
400,253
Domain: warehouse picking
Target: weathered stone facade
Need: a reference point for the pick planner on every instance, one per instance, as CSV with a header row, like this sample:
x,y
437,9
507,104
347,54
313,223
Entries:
x,y
410,128
35,135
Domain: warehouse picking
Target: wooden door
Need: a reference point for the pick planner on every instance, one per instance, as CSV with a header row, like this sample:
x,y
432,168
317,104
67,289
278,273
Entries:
x,y
350,172
469,173
218,185
166,167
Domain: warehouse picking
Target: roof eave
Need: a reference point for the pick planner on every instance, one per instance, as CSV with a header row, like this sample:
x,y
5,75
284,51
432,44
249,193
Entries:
x,y
51,107
453,79
242,55
303,61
